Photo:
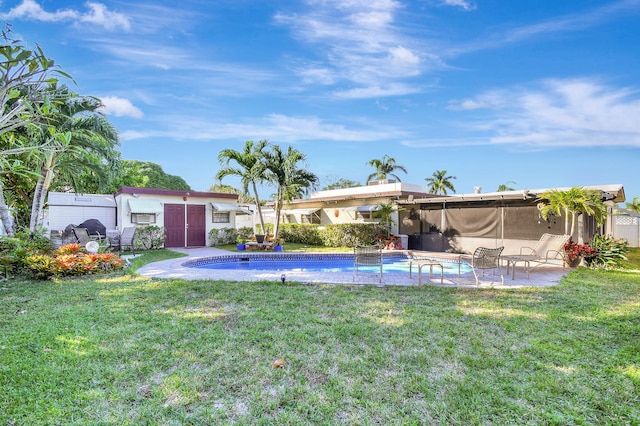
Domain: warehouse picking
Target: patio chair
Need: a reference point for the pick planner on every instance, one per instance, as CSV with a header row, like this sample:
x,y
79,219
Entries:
x,y
486,258
366,256
127,238
82,235
549,247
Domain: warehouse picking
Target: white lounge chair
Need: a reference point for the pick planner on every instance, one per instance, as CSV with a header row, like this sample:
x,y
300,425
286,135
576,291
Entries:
x,y
548,247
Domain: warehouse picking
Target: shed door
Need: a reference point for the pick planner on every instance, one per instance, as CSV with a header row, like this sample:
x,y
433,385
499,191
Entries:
x,y
174,225
196,226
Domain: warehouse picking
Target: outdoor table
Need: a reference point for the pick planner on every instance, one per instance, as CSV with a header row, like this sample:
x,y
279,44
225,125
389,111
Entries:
x,y
426,262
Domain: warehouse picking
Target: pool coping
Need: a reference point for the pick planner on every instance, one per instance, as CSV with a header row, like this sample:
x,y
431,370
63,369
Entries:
x,y
541,275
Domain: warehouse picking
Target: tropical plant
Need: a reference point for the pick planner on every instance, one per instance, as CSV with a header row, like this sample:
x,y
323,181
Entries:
x,y
505,186
439,182
634,205
145,174
291,180
23,72
385,166
75,135
249,166
385,215
570,203
340,184
150,237
611,252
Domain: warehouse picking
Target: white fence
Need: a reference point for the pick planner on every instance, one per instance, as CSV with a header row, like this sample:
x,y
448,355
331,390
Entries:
x,y
627,226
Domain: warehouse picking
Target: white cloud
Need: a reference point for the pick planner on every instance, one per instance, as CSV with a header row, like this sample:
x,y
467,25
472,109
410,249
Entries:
x,y
361,43
97,15
578,112
460,3
120,107
283,128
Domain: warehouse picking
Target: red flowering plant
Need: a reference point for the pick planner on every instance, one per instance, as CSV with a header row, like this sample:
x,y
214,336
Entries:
x,y
574,251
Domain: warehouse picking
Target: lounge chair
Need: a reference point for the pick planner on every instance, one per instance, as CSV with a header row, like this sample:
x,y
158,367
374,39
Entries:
x,y
486,258
549,247
82,235
366,256
127,238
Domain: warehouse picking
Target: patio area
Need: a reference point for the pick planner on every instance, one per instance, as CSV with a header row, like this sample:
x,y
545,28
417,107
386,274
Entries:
x,y
541,275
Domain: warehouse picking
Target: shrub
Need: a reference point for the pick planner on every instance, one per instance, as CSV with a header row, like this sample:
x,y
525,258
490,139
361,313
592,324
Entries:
x,y
611,252
149,238
335,235
245,233
14,250
222,236
69,260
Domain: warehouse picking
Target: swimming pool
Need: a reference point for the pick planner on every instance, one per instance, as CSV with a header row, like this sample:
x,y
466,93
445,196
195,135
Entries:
x,y
316,262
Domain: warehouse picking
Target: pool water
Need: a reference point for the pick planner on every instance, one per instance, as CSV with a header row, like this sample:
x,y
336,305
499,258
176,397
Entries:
x,y
322,263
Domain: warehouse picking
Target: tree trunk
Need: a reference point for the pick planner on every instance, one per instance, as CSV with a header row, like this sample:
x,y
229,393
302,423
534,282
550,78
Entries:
x,y
255,193
5,214
276,225
40,194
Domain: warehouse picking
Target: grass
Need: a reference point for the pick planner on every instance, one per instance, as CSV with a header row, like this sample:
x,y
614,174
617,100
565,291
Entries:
x,y
129,350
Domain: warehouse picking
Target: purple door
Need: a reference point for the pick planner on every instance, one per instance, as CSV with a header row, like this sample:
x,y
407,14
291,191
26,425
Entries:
x,y
174,225
196,226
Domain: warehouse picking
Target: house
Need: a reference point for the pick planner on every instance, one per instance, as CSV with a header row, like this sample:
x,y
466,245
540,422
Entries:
x,y
187,216
463,222
349,205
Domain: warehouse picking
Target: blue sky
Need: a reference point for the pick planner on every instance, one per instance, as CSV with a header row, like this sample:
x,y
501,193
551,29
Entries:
x,y
542,93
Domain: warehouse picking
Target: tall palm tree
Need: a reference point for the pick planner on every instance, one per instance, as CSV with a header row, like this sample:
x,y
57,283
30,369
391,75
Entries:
x,y
249,166
385,167
439,182
634,205
289,178
505,187
77,136
572,202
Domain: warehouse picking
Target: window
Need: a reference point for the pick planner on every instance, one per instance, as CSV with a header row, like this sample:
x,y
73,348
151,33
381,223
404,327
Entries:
x,y
143,218
310,218
363,215
221,217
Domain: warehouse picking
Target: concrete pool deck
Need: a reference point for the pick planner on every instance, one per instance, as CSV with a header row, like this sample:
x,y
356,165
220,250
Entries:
x,y
541,276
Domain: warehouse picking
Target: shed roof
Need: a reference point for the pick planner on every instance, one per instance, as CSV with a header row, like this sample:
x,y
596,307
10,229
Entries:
x,y
87,200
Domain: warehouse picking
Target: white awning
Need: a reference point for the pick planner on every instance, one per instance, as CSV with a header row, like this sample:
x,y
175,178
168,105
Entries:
x,y
367,208
142,206
301,211
229,207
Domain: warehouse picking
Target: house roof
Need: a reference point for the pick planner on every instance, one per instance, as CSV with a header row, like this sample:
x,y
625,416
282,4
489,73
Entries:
x,y
612,192
173,192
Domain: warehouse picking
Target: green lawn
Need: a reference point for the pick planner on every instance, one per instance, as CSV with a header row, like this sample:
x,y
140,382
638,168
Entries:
x,y
129,350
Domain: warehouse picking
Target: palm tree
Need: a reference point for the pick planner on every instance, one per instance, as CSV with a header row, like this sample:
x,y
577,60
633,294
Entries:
x,y
290,180
505,187
634,205
76,136
385,215
571,202
439,182
384,168
250,167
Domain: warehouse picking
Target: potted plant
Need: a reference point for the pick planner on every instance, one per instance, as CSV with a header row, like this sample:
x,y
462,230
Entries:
x,y
574,253
240,243
278,245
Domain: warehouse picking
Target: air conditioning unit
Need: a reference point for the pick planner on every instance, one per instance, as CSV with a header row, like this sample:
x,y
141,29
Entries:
x,y
145,218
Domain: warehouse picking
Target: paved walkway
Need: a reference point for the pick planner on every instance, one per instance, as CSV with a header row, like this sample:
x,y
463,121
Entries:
x,y
540,275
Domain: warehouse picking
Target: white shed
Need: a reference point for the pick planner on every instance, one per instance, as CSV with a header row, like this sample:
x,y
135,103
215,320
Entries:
x,y
65,208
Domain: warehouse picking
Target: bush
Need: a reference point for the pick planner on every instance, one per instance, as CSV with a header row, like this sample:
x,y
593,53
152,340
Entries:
x,y
611,252
70,260
335,235
223,236
149,238
245,233
14,250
